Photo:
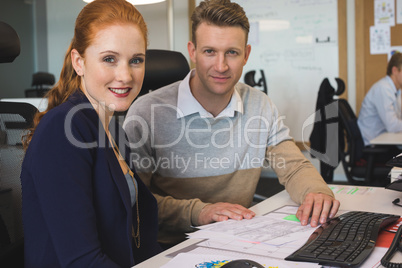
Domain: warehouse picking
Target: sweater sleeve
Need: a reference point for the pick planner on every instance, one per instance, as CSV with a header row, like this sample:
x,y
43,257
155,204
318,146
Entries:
x,y
295,171
175,214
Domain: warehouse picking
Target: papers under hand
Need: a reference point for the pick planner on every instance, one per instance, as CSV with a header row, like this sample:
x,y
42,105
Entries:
x,y
276,234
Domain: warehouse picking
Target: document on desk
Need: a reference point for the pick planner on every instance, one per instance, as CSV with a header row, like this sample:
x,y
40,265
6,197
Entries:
x,y
352,190
276,234
265,239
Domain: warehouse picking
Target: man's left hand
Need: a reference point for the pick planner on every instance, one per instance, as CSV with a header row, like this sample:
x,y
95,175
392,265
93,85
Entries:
x,y
319,206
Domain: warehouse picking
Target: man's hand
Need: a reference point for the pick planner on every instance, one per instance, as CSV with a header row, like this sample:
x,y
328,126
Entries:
x,y
222,212
319,207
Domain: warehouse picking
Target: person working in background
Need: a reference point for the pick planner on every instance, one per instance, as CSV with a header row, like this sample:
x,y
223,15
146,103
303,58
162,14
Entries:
x,y
82,205
207,137
381,109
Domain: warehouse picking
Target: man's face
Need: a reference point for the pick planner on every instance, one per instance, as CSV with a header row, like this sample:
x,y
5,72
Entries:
x,y
219,57
397,73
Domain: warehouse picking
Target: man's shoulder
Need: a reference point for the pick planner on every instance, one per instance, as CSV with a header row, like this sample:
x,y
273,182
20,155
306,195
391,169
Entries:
x,y
163,95
253,98
382,83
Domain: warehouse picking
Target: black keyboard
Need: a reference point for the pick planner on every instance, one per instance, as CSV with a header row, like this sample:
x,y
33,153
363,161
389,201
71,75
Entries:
x,y
346,240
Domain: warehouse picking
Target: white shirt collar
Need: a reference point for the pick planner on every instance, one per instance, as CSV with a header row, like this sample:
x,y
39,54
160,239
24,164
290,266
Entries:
x,y
392,83
187,104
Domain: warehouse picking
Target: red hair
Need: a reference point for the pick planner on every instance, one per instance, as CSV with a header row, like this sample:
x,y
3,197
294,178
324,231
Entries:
x,y
93,17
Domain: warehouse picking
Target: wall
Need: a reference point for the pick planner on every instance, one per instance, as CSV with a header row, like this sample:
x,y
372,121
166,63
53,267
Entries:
x,y
44,47
17,76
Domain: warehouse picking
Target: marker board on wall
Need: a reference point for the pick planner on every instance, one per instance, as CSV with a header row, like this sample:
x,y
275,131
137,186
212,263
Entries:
x,y
295,43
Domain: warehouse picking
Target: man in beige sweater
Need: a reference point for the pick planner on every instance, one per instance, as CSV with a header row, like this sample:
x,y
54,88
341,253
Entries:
x,y
200,144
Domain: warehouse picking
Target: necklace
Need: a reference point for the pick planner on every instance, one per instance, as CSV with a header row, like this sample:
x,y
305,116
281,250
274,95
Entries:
x,y
136,236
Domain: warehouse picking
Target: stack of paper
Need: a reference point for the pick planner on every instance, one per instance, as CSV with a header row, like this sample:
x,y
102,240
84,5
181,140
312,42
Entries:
x,y
265,239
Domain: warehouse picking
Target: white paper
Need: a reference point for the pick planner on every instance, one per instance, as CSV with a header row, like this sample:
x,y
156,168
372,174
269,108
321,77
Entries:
x,y
384,12
267,239
205,257
398,11
352,190
277,234
380,39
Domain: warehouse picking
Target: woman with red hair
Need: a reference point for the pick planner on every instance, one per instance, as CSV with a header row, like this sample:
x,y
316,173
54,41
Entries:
x,y
82,204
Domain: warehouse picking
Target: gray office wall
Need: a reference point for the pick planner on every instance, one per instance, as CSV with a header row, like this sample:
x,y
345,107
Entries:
x,y
15,77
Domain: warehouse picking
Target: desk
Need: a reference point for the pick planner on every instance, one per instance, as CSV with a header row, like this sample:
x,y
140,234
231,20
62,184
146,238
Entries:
x,y
387,138
348,202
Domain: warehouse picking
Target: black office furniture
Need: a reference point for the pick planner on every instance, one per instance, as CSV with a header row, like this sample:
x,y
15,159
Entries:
x,y
41,84
250,80
325,133
163,67
13,119
344,241
357,160
9,43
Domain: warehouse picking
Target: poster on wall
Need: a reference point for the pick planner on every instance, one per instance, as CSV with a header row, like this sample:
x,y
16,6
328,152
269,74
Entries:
x,y
384,12
398,11
380,39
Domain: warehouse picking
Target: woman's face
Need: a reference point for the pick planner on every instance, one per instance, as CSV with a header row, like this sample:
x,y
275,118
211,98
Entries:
x,y
112,68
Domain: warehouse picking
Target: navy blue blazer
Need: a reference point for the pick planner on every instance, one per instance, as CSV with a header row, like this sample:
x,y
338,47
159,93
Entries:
x,y
76,202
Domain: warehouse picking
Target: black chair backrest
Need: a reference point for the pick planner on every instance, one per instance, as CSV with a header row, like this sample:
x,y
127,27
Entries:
x,y
41,83
15,119
354,139
262,82
41,79
11,155
9,43
326,93
25,110
163,67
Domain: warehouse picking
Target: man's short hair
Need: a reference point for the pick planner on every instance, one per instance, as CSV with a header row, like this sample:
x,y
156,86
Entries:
x,y
219,13
396,60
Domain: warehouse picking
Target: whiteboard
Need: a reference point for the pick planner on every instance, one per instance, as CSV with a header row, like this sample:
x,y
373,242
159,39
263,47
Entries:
x,y
295,42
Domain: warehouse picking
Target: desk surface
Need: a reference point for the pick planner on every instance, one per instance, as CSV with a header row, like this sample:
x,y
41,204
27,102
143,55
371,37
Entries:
x,y
363,200
387,138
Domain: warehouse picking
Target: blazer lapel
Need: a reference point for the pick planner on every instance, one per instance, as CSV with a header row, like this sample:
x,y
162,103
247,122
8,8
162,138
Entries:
x,y
119,178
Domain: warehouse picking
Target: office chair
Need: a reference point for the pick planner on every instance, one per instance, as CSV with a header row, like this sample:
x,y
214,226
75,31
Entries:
x,y
352,150
9,43
41,83
163,67
249,80
14,118
323,134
